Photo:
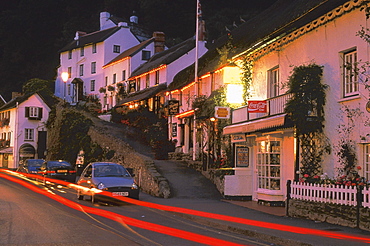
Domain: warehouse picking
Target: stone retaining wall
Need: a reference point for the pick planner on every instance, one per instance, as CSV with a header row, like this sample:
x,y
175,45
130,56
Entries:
x,y
146,174
336,214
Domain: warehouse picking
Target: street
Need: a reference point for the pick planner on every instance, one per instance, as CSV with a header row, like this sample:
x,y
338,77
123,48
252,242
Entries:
x,y
30,218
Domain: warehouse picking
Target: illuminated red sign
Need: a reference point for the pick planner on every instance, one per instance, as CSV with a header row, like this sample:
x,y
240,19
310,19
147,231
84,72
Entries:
x,y
257,106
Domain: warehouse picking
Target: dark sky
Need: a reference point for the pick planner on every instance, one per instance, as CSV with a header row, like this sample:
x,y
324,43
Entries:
x,y
32,31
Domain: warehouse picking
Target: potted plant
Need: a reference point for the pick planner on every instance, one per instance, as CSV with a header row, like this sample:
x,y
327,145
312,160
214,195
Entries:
x,y
102,90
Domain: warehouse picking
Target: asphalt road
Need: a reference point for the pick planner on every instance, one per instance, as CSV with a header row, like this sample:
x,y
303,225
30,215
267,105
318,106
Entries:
x,y
30,218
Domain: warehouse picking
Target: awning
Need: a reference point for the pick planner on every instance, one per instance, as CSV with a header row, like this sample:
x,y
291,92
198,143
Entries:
x,y
27,150
144,94
252,126
77,81
8,150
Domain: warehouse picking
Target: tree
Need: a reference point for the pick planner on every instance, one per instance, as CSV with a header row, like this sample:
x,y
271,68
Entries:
x,y
35,85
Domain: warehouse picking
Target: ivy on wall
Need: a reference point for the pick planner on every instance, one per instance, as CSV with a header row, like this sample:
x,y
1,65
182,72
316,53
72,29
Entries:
x,y
306,110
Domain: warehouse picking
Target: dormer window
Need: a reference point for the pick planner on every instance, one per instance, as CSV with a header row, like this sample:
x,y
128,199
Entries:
x,y
82,51
33,113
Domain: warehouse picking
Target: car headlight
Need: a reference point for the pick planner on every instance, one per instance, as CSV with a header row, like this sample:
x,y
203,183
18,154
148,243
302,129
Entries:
x,y
134,186
101,186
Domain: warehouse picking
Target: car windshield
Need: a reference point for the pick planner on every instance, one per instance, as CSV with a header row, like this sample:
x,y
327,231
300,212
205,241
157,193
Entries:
x,y
35,163
110,171
58,164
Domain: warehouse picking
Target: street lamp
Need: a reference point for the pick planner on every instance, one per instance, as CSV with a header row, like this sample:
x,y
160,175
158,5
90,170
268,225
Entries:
x,y
65,77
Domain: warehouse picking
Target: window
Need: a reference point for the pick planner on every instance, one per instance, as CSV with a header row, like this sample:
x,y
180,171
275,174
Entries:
x,y
106,80
93,48
116,48
273,82
82,51
367,161
69,72
82,70
145,55
28,134
69,54
156,77
69,90
92,85
114,78
138,81
33,113
268,165
350,74
123,75
9,136
93,67
147,81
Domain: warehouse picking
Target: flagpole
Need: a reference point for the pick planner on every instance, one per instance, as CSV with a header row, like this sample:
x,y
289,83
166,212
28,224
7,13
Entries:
x,y
196,85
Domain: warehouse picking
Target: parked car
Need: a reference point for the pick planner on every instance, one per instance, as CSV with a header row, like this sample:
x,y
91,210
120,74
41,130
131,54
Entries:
x,y
106,176
30,166
58,170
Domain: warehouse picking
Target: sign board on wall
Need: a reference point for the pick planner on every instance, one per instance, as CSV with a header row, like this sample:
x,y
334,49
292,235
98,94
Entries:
x,y
257,106
241,156
235,138
222,112
173,107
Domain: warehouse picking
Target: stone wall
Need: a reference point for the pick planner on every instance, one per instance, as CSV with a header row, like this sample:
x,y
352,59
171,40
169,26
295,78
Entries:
x,y
146,174
343,215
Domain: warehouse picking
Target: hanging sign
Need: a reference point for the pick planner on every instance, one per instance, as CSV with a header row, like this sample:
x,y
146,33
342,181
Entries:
x,y
257,106
173,107
222,112
368,106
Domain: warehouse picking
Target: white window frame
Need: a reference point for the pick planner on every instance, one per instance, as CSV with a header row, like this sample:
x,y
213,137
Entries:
x,y
92,85
268,165
94,48
33,112
273,82
367,161
81,69
350,74
93,67
29,134
82,51
116,49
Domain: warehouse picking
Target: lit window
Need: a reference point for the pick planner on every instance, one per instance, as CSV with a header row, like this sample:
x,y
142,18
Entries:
x,y
350,74
138,81
147,80
28,134
268,165
156,77
69,72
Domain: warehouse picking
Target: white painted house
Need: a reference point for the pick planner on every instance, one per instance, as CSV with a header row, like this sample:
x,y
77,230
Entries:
x,y
22,128
84,58
291,33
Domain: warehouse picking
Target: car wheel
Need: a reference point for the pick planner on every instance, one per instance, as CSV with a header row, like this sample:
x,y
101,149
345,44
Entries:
x,y
79,195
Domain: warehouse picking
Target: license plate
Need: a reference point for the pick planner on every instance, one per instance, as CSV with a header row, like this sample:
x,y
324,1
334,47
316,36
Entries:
x,y
120,193
62,171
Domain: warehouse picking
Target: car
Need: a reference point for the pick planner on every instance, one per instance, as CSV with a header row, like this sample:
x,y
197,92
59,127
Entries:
x,y
30,166
58,169
106,176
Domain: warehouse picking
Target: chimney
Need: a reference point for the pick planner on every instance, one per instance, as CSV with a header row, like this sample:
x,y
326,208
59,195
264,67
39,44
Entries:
x,y
104,17
16,94
134,18
159,39
79,34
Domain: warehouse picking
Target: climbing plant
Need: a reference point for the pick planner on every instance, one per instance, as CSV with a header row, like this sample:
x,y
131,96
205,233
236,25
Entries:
x,y
306,110
246,78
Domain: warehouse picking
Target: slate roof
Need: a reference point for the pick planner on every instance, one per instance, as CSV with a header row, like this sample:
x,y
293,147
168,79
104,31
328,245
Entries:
x,y
281,18
132,51
47,98
165,57
144,94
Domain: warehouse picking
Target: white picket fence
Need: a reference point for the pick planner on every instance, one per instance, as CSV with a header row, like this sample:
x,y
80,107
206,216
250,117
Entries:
x,y
366,195
338,194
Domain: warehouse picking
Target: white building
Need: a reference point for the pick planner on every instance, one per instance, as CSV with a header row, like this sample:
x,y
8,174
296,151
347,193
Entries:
x,y
22,129
267,152
83,59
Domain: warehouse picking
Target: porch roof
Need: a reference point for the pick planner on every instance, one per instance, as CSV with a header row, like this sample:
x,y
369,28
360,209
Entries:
x,y
144,94
252,126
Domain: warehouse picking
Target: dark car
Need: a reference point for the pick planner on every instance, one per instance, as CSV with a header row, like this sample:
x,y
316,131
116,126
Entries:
x,y
30,166
58,170
106,176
